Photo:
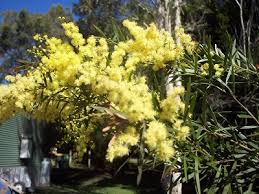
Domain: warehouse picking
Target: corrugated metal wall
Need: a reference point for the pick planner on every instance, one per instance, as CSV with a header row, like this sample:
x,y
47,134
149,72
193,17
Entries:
x,y
11,132
10,142
11,165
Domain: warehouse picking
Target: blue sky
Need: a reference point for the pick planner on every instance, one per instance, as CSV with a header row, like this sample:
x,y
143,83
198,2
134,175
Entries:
x,y
34,6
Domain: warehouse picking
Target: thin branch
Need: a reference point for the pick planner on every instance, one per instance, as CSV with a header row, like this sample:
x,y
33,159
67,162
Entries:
x,y
234,97
238,3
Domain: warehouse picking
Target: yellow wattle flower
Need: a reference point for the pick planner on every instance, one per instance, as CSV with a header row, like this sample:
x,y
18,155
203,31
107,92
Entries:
x,y
77,74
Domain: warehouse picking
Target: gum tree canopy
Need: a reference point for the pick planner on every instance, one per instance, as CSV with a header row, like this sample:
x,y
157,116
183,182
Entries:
x,y
93,83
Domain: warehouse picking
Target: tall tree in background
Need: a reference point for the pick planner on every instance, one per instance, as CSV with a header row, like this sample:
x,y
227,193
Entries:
x,y
95,13
233,20
16,35
103,15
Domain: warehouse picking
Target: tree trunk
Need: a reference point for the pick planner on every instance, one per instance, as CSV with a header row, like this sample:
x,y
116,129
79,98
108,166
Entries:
x,y
177,23
164,21
141,155
177,13
164,17
249,26
243,36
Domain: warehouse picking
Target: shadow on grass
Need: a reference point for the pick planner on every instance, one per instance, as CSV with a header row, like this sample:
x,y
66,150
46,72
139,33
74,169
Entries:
x,y
114,189
72,181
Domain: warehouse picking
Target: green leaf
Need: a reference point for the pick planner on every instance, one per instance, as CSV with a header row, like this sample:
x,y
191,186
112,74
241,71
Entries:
x,y
227,189
243,116
100,31
185,168
255,146
238,156
229,74
250,127
197,177
242,136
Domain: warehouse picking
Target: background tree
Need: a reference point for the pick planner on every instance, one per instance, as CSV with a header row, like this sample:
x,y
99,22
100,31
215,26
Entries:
x,y
103,16
16,36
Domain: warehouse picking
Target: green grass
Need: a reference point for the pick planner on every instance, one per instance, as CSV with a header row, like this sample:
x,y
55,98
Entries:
x,y
112,189
75,181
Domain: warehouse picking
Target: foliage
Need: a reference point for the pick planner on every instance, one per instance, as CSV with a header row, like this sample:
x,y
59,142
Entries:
x,y
87,84
117,87
94,15
221,154
16,36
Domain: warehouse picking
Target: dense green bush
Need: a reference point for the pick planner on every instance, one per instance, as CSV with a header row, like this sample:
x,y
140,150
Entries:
x,y
221,155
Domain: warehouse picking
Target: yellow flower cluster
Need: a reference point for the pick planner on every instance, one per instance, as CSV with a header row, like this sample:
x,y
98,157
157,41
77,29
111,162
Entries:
x,y
22,95
131,98
172,106
204,69
181,131
72,32
7,108
150,47
80,134
15,97
185,40
77,74
219,70
156,138
217,67
119,146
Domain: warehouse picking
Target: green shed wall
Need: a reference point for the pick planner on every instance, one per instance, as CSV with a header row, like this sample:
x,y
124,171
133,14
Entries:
x,y
10,142
11,132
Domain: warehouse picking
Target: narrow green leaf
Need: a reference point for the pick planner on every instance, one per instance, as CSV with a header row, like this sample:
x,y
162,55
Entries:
x,y
250,127
197,177
229,74
238,156
227,189
255,146
100,31
185,168
243,116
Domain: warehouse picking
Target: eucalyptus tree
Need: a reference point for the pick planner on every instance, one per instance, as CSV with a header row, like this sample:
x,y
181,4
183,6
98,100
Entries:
x,y
16,36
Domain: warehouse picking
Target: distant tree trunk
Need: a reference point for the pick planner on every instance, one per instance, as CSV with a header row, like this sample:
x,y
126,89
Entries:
x,y
243,36
177,23
177,13
164,21
164,16
249,26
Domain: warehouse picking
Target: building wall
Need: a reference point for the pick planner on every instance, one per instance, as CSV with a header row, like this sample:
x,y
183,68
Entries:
x,y
10,132
11,166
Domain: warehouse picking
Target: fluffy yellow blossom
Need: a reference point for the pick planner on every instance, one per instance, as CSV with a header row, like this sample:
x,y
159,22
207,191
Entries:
x,y
72,31
205,69
76,75
165,150
182,132
172,106
116,150
120,146
156,138
151,46
155,134
217,67
219,70
185,39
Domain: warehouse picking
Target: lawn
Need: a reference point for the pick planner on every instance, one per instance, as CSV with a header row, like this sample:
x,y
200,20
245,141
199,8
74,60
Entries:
x,y
65,189
75,181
